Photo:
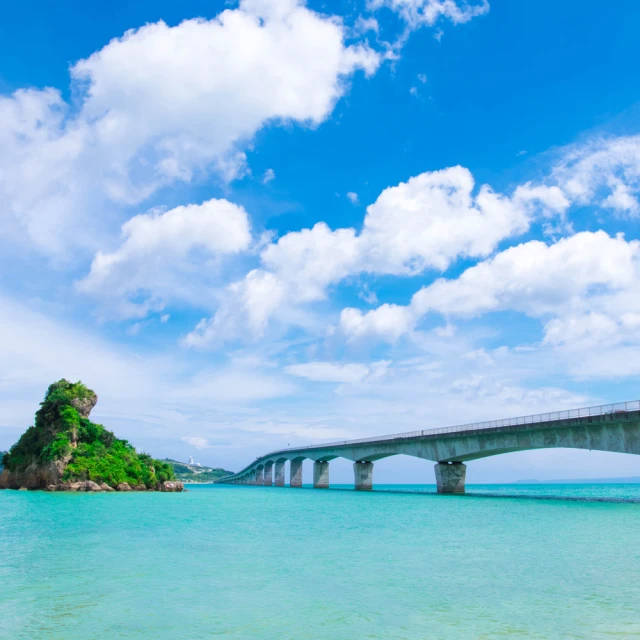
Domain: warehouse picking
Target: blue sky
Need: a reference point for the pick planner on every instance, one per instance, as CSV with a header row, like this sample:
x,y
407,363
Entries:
x,y
268,223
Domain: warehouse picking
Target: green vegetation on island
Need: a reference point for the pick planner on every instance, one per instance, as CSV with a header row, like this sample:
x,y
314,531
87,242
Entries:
x,y
194,473
64,447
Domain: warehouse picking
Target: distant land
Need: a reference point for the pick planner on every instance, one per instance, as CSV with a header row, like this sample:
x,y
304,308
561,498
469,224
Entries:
x,y
628,480
194,474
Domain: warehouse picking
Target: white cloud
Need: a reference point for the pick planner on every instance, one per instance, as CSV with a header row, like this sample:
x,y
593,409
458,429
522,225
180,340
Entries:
x,y
605,171
424,223
161,251
417,13
163,104
329,372
437,217
311,259
432,219
479,356
536,278
584,287
245,309
363,25
268,176
353,197
388,321
422,78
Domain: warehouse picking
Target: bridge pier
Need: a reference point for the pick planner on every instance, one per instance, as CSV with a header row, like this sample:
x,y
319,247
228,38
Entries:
x,y
280,473
259,477
268,474
295,473
363,472
450,477
320,474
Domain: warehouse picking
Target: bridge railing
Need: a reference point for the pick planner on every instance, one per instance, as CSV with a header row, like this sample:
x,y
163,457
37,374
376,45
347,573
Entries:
x,y
553,416
618,408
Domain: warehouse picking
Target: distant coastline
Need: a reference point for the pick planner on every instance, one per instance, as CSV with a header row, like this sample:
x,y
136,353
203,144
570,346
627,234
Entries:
x,y
189,473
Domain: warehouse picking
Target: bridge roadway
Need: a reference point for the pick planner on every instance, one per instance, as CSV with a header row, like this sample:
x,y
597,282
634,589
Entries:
x,y
603,428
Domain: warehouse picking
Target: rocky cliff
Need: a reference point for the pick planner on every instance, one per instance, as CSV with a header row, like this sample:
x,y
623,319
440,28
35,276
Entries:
x,y
65,451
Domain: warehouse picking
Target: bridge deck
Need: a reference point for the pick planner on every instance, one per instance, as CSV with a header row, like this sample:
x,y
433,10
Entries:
x,y
553,420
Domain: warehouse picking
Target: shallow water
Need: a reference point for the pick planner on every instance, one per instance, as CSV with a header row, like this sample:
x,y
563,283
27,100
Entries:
x,y
258,562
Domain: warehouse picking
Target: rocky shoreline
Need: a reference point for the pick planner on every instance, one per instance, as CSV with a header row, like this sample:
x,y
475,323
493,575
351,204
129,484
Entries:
x,y
49,478
170,486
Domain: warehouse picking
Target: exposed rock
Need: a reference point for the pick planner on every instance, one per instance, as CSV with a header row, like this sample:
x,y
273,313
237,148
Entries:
x,y
23,489
171,485
105,487
123,486
51,487
140,487
84,405
85,485
34,476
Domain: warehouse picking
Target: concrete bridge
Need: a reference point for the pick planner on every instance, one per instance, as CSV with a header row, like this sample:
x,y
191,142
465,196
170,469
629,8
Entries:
x,y
603,428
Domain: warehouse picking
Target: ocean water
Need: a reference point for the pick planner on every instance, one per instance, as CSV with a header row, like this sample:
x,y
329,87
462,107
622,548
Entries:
x,y
258,562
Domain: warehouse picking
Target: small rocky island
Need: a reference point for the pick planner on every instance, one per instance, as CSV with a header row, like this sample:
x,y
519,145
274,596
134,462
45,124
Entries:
x,y
65,451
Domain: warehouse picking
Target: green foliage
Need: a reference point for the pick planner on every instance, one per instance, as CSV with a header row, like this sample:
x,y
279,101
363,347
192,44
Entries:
x,y
58,449
92,452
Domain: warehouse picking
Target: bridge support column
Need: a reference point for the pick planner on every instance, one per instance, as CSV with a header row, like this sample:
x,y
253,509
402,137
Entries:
x,y
450,477
268,474
363,472
295,473
321,474
259,476
280,473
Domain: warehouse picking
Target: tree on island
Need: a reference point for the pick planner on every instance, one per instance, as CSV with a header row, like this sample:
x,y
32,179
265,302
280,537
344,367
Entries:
x,y
64,450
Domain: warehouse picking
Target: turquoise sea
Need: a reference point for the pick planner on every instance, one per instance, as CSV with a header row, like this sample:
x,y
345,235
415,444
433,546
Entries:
x,y
258,562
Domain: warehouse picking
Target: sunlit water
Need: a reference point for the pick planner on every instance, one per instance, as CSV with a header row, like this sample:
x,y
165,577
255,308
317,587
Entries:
x,y
251,562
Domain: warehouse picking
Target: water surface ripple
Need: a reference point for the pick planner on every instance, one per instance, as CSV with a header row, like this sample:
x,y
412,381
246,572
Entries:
x,y
250,562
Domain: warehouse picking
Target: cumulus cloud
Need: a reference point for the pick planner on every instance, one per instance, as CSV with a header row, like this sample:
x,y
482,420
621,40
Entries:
x,y
388,321
311,259
245,309
584,287
163,104
424,223
536,278
161,250
435,217
438,217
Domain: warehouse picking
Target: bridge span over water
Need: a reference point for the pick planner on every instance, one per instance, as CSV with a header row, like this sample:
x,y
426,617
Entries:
x,y
613,427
